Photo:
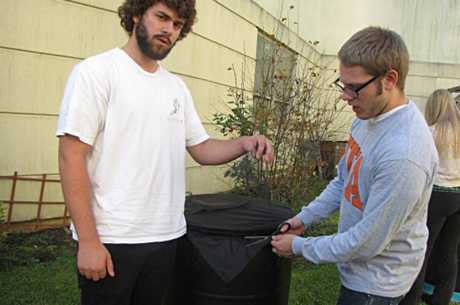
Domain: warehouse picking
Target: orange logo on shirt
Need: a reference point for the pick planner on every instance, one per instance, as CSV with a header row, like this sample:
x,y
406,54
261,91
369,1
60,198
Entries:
x,y
354,162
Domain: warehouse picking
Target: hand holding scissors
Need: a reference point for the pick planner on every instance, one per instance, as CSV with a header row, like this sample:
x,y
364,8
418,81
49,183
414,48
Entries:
x,y
282,244
281,228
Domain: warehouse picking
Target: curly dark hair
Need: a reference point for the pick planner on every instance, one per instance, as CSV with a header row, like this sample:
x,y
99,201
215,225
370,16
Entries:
x,y
130,8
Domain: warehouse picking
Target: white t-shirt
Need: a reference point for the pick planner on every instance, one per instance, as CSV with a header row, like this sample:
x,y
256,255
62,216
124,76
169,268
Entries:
x,y
138,125
449,169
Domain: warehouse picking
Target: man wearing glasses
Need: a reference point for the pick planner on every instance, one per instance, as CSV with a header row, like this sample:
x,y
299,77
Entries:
x,y
384,180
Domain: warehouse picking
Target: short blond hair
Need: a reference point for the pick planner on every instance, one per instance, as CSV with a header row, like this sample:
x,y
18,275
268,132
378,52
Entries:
x,y
377,50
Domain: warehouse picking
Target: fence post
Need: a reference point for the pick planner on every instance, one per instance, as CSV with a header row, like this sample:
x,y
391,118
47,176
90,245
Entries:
x,y
40,200
13,192
64,219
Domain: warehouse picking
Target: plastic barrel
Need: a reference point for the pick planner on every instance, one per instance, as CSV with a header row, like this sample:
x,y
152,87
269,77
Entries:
x,y
264,280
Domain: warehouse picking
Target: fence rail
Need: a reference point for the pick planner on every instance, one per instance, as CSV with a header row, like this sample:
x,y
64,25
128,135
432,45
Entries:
x,y
39,222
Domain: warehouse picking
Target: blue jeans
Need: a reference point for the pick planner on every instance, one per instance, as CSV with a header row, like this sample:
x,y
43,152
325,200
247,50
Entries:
x,y
351,297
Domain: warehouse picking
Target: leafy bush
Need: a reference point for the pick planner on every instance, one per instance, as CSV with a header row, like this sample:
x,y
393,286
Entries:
x,y
296,109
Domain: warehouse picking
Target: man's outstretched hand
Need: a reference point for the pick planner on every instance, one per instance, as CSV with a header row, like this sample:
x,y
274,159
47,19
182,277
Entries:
x,y
259,146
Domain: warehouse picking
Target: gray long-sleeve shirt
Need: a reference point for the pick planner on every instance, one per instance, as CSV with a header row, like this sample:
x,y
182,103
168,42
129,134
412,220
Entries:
x,y
382,190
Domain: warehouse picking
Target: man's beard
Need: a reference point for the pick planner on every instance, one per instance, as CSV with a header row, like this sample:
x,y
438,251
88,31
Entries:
x,y
143,41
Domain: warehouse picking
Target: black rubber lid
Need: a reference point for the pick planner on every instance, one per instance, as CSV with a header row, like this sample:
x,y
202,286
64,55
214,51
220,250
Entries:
x,y
233,215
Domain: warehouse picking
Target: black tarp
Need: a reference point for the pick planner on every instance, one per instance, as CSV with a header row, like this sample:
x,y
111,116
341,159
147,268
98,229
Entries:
x,y
218,223
214,266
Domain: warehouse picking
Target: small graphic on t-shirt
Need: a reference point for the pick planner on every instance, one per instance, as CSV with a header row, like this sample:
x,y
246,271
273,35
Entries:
x,y
176,107
354,162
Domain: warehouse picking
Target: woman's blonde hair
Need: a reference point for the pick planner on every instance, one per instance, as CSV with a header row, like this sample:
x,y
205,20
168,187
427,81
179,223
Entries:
x,y
442,114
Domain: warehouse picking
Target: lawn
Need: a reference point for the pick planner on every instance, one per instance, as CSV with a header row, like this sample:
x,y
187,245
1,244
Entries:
x,y
51,283
47,275
44,279
54,283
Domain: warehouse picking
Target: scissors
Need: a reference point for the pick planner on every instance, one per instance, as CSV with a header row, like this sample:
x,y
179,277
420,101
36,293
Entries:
x,y
265,238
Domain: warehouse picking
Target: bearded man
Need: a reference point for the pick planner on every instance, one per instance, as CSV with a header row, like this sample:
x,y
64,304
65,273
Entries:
x,y
124,128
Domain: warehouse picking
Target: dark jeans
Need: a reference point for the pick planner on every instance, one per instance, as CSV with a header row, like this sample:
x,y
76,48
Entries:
x,y
142,274
351,297
443,218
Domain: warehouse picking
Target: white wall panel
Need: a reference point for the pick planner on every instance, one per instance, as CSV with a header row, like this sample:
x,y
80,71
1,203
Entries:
x,y
32,83
58,27
28,144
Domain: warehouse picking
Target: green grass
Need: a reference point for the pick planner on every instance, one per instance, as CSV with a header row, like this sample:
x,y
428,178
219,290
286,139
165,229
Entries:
x,y
54,282
313,284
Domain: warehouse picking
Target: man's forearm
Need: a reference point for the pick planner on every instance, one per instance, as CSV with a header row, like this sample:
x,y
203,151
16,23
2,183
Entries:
x,y
77,193
93,258
214,152
324,205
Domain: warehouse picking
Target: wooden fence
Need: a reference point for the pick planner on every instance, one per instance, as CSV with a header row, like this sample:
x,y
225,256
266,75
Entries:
x,y
39,221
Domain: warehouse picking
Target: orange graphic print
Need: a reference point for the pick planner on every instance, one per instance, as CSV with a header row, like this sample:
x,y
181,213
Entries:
x,y
354,162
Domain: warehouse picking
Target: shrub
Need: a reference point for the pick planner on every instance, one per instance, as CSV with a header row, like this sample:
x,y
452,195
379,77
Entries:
x,y
295,108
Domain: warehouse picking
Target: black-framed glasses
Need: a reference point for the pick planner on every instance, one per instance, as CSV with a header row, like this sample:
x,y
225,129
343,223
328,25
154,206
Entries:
x,y
353,92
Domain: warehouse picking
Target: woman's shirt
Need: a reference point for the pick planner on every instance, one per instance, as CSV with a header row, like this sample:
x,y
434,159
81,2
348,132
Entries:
x,y
448,170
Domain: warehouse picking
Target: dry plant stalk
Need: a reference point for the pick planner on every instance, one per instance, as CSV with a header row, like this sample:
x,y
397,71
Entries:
x,y
295,106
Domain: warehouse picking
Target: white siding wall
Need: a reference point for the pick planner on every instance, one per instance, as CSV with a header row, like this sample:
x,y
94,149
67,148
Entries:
x,y
430,29
41,40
